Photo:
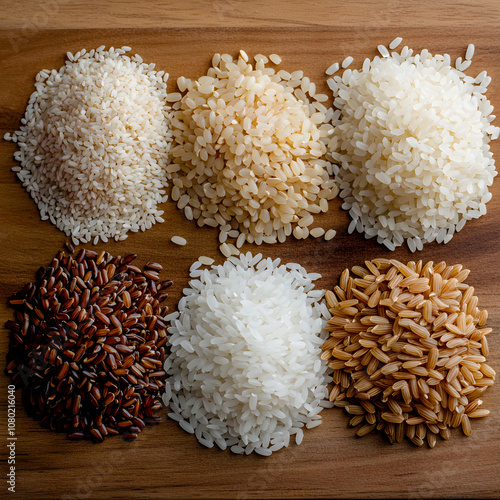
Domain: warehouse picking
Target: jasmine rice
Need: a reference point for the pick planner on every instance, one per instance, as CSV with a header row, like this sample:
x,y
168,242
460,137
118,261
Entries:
x,y
245,371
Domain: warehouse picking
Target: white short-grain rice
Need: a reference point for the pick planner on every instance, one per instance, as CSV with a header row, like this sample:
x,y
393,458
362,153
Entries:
x,y
330,234
275,59
411,146
178,240
317,232
93,145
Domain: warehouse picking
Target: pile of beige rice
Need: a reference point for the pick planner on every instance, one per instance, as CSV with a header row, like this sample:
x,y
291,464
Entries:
x,y
248,151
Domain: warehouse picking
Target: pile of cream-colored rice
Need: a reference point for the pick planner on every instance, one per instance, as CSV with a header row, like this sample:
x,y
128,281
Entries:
x,y
411,145
248,151
93,145
245,368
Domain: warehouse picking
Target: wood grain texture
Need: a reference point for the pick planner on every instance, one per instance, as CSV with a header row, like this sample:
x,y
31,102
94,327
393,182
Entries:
x,y
30,15
165,462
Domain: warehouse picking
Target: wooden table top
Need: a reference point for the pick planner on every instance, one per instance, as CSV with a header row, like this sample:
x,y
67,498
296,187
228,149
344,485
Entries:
x,y
181,37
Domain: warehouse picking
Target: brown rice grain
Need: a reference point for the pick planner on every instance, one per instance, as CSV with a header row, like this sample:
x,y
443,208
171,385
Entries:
x,y
478,413
466,426
423,367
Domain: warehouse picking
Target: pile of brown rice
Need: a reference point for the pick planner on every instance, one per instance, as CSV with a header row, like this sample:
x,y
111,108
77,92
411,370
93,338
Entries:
x,y
93,145
248,152
408,349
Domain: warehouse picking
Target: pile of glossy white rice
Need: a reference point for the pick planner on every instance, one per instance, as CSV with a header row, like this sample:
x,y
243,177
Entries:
x,y
245,370
93,145
411,143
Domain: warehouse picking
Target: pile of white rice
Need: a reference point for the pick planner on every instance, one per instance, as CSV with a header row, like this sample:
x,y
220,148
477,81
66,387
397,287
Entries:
x,y
248,152
411,141
93,145
245,370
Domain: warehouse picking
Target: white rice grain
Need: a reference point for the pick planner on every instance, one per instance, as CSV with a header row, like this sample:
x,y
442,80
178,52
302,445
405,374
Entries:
x,y
330,234
178,240
93,145
275,58
406,174
317,232
470,52
333,69
347,62
244,366
395,43
206,261
383,50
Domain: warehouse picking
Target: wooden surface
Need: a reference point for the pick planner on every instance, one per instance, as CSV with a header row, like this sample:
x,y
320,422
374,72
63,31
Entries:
x,y
180,37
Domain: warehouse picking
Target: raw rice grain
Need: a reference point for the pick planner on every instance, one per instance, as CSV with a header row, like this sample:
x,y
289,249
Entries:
x,y
406,174
93,145
245,367
393,366
249,151
178,240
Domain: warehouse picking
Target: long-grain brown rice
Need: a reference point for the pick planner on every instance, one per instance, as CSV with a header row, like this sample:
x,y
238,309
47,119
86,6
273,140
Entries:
x,y
411,370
